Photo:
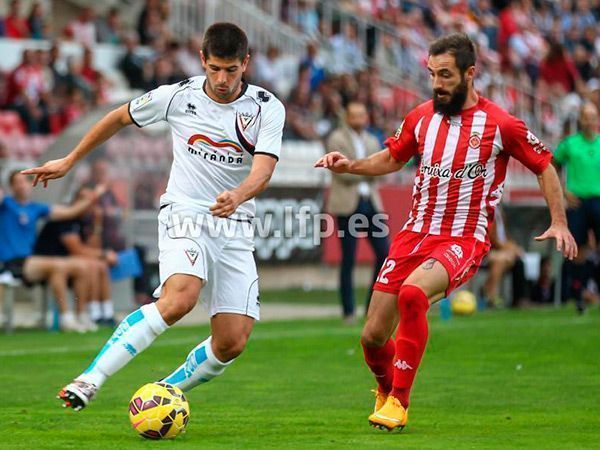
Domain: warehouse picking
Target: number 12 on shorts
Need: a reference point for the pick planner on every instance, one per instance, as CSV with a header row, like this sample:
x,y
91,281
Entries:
x,y
388,266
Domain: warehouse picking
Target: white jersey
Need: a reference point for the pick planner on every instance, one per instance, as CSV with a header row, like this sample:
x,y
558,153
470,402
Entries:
x,y
213,143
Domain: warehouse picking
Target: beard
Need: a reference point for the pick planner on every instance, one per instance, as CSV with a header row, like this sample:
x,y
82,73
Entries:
x,y
456,102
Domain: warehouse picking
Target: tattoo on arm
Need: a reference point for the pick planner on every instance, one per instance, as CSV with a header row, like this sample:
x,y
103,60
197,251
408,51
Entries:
x,y
428,265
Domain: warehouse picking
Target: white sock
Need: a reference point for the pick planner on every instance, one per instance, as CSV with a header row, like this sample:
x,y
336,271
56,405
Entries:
x,y
108,309
67,316
201,366
95,311
133,335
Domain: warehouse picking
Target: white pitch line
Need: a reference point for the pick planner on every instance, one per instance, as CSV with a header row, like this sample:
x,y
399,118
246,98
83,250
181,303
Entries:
x,y
513,323
258,336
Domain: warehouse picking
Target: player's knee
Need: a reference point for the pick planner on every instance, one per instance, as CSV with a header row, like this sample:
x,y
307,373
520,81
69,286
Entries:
x,y
180,300
229,347
373,337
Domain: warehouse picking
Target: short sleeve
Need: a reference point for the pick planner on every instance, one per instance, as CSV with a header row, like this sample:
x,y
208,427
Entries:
x,y
525,146
561,154
153,105
403,145
271,130
41,210
69,227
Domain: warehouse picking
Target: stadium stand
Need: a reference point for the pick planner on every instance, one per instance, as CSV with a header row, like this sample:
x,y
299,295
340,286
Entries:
x,y
64,59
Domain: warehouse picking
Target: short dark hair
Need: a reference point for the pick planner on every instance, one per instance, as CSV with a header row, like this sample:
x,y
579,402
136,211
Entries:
x,y
457,44
12,175
225,40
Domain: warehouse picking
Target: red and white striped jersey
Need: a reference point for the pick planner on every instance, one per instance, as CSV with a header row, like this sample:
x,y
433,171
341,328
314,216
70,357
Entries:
x,y
461,175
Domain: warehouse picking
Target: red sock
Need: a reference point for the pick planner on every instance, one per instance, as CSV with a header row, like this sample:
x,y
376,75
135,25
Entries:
x,y
379,360
411,339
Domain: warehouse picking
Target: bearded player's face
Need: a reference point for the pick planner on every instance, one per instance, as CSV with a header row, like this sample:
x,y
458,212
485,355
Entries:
x,y
450,86
223,77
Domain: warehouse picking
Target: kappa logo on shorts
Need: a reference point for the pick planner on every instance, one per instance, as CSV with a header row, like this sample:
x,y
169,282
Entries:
x,y
192,255
457,250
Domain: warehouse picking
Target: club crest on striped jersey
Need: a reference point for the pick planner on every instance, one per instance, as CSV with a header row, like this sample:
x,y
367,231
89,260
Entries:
x,y
475,140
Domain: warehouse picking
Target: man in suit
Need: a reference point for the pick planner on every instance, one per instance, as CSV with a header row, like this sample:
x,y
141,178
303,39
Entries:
x,y
355,202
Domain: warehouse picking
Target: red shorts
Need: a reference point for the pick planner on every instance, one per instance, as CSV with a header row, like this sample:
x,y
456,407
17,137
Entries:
x,y
460,256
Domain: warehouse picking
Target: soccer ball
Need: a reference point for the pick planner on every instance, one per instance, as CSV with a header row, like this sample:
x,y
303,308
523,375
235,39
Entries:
x,y
159,411
463,303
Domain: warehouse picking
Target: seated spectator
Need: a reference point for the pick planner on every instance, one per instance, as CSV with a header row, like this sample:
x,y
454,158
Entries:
x,y
37,22
188,58
543,289
15,26
269,72
106,221
18,219
347,55
65,238
504,256
83,29
110,29
558,74
313,62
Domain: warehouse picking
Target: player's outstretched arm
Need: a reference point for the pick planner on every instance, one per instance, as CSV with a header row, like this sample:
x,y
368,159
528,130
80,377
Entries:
x,y
256,182
551,188
381,163
103,130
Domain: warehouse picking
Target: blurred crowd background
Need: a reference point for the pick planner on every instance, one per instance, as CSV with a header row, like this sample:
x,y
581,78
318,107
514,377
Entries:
x,y
65,60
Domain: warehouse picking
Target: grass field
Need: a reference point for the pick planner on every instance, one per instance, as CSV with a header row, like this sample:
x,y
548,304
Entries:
x,y
504,379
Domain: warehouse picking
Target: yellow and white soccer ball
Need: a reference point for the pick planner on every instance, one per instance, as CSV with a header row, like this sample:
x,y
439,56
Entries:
x,y
159,411
463,303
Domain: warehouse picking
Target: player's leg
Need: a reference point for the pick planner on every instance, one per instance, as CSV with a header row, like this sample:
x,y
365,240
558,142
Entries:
x,y
229,335
232,299
425,285
179,295
54,271
378,345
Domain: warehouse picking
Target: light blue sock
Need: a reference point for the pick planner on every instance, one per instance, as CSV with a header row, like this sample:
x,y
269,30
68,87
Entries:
x,y
201,366
133,335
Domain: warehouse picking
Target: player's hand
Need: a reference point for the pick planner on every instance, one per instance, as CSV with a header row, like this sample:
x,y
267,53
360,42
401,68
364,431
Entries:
x,y
334,161
56,168
227,203
572,200
111,257
565,243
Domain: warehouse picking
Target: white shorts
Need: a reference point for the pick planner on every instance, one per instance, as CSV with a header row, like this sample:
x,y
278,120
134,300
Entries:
x,y
219,251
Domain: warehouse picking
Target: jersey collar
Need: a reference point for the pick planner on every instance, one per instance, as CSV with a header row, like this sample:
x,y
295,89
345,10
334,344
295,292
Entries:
x,y
240,95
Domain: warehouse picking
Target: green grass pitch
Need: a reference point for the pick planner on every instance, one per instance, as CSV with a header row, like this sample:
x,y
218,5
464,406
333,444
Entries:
x,y
506,379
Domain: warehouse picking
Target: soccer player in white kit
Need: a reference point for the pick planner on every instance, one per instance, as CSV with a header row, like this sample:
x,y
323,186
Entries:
x,y
226,141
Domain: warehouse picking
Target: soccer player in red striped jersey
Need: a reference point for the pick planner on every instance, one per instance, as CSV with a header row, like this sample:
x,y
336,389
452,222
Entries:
x,y
464,142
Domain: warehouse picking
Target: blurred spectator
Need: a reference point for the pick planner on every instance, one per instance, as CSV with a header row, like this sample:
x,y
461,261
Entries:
x,y
83,29
37,22
505,256
543,289
111,211
110,28
300,123
305,17
188,57
132,64
346,53
579,154
314,64
269,71
558,74
65,238
15,26
18,220
353,196
28,89
152,24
